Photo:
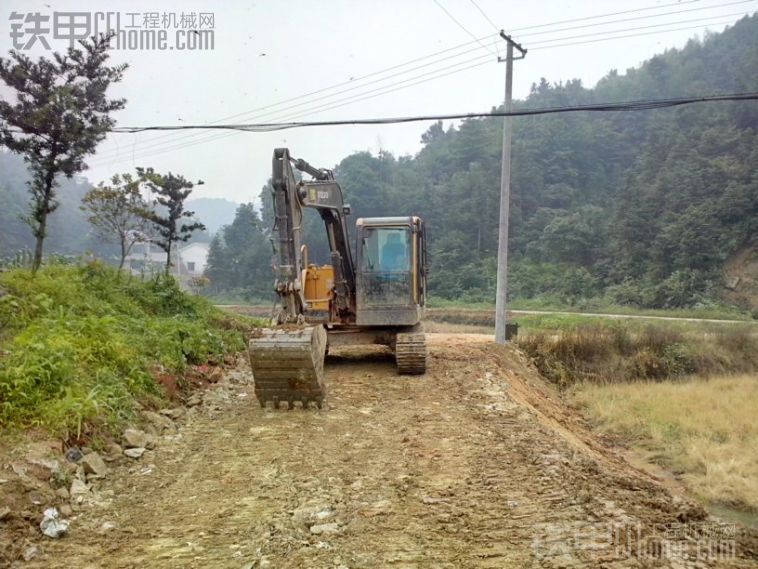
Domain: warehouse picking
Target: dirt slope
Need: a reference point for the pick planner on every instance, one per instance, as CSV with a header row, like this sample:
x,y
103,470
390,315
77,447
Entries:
x,y
477,464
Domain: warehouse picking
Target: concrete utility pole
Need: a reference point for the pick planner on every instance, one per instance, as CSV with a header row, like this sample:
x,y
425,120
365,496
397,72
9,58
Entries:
x,y
505,193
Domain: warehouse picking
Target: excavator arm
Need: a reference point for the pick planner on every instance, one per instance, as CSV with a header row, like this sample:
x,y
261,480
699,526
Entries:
x,y
288,362
290,197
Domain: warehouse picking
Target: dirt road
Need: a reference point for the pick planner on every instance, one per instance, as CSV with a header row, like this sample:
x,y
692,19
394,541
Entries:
x,y
476,464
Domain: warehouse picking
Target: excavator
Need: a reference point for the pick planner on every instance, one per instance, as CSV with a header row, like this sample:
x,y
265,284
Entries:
x,y
376,296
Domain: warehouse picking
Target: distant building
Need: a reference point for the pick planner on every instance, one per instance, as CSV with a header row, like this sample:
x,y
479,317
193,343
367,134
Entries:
x,y
188,263
193,259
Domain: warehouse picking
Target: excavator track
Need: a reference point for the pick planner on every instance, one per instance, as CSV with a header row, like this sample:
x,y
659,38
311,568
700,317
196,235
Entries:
x,y
410,353
288,365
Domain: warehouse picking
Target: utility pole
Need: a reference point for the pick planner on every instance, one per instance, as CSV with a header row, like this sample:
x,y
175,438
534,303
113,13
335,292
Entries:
x,y
505,192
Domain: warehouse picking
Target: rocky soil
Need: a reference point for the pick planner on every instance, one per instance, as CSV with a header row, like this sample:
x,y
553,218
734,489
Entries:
x,y
476,464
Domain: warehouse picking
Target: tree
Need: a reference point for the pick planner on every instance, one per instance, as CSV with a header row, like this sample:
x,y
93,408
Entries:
x,y
239,260
118,212
171,192
60,114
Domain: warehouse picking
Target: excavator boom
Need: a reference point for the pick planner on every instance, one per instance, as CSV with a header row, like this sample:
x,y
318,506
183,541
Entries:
x,y
288,362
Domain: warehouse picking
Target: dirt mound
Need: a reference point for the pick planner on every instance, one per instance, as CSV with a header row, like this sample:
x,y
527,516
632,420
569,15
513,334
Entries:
x,y
476,464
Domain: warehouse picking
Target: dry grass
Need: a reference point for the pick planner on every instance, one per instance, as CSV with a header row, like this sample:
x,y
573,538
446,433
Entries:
x,y
705,430
617,354
435,327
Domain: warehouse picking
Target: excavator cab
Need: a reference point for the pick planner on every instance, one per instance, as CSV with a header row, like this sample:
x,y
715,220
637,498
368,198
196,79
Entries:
x,y
391,271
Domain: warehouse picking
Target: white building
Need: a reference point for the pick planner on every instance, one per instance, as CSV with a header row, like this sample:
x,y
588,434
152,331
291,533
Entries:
x,y
192,259
188,263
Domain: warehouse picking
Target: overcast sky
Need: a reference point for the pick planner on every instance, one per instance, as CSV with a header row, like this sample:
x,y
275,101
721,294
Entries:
x,y
267,52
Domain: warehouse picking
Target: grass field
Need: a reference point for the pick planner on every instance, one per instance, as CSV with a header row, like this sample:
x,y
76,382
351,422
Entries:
x,y
557,321
718,312
704,430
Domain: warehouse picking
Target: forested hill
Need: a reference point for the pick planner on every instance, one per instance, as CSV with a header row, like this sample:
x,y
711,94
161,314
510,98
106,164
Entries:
x,y
639,207
68,232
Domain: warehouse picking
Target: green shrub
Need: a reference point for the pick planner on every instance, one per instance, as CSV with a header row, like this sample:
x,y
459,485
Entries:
x,y
78,344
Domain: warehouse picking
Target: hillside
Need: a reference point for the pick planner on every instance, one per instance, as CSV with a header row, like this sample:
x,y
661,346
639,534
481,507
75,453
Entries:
x,y
213,212
69,231
634,208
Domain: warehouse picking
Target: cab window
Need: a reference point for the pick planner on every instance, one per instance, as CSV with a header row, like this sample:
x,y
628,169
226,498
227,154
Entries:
x,y
386,249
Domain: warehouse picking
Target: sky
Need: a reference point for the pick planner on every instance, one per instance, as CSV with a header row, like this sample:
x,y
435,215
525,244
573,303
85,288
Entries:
x,y
268,54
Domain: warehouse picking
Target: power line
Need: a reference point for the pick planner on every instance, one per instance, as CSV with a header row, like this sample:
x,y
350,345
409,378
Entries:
x,y
355,82
390,88
153,143
360,97
624,20
638,105
486,17
598,16
461,26
631,35
637,28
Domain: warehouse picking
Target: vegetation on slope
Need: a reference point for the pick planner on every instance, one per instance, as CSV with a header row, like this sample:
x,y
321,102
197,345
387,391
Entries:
x,y
81,344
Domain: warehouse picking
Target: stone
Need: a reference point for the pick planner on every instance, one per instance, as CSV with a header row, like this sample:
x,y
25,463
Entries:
x,y
114,451
37,498
160,422
321,529
94,464
134,452
173,413
66,510
194,400
134,438
74,454
107,526
150,444
48,464
378,508
31,552
4,513
215,375
310,513
52,524
63,493
78,488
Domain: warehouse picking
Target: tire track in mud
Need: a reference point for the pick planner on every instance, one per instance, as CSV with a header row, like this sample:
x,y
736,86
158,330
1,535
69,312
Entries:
x,y
476,464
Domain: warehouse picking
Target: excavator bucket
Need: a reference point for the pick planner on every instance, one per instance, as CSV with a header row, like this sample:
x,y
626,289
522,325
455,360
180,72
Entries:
x,y
288,365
